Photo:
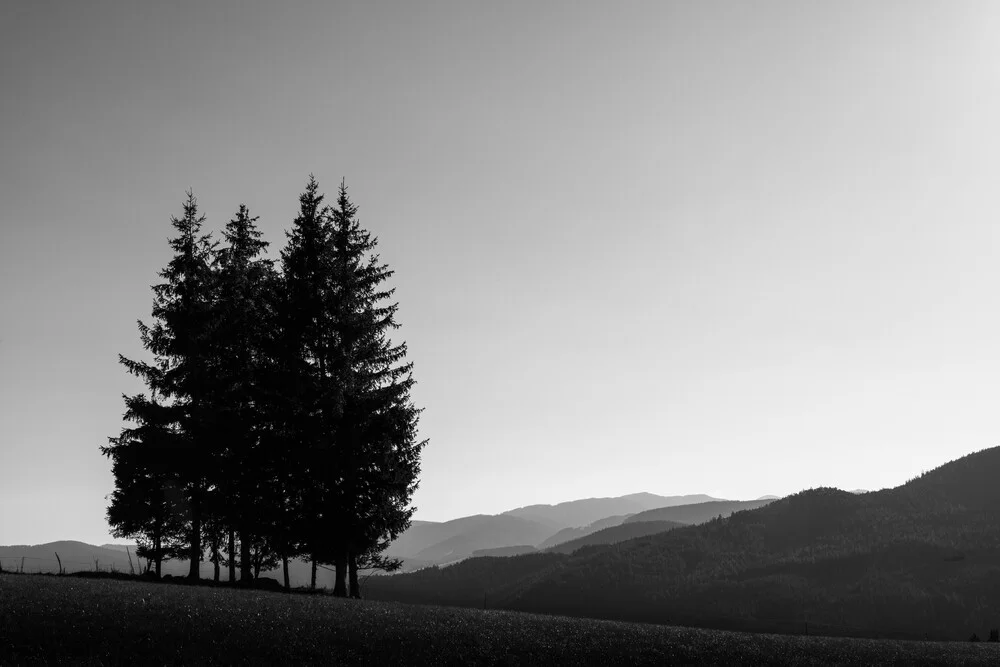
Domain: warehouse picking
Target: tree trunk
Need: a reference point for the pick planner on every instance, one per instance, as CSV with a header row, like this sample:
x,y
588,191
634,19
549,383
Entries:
x,y
194,554
159,561
215,556
246,573
284,563
232,556
352,564
312,581
340,569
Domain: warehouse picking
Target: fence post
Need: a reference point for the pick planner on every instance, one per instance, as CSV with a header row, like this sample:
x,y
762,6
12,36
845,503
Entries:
x,y
22,564
59,560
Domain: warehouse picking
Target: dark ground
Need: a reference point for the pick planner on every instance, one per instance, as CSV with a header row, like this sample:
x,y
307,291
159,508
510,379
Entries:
x,y
70,620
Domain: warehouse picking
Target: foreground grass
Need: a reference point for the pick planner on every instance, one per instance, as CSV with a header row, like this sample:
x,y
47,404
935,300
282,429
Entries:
x,y
68,620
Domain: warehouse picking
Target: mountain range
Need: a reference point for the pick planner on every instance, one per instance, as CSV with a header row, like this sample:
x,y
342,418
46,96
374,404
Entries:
x,y
916,561
428,543
425,543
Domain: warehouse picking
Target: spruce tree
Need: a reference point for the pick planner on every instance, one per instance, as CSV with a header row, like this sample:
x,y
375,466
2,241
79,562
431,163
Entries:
x,y
242,370
376,433
179,379
312,400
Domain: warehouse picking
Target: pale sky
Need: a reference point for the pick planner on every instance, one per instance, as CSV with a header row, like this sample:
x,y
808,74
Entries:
x,y
735,248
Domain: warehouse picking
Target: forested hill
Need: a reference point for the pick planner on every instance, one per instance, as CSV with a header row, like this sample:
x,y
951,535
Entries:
x,y
615,534
698,512
588,510
919,560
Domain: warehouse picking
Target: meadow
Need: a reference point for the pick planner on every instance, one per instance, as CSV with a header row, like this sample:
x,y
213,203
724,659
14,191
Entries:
x,y
94,621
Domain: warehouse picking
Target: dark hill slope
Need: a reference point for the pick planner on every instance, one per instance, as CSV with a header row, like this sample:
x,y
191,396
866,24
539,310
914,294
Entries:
x,y
615,534
919,560
491,532
470,583
428,543
699,512
567,534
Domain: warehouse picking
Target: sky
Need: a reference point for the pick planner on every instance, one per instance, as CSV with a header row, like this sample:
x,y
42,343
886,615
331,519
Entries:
x,y
677,247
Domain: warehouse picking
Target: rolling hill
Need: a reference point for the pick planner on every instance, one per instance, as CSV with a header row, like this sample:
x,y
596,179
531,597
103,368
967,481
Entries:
x,y
428,543
454,540
567,534
584,512
615,534
920,560
699,512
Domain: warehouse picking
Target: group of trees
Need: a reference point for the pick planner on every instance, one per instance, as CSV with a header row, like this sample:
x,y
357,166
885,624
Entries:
x,y
277,422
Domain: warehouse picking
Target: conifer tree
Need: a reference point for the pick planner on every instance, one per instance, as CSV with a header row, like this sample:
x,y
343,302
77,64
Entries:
x,y
241,345
179,380
376,433
312,399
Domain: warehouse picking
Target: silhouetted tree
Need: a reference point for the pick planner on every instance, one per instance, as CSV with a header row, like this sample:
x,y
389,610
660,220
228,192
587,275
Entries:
x,y
241,346
311,401
376,433
180,375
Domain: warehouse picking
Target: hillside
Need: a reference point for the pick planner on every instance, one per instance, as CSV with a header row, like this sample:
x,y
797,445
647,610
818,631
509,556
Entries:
x,y
615,534
699,512
483,532
567,534
428,543
919,560
584,512
504,552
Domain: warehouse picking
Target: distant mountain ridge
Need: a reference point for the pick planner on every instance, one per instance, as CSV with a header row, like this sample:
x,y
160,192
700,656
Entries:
x,y
567,534
576,513
698,512
615,534
428,543
539,526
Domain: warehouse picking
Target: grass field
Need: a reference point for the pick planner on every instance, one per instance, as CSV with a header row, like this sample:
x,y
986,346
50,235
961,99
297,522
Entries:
x,y
69,620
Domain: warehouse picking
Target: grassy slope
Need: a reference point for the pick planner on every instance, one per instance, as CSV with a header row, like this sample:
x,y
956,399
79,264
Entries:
x,y
66,620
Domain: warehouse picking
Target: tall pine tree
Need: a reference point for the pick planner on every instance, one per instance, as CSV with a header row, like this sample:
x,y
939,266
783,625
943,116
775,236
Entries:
x,y
376,434
312,399
178,408
244,324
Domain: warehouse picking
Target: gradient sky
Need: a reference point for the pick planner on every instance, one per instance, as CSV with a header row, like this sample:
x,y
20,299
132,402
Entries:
x,y
680,247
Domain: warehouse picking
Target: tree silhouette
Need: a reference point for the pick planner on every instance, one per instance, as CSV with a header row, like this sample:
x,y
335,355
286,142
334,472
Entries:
x,y
242,368
178,408
376,433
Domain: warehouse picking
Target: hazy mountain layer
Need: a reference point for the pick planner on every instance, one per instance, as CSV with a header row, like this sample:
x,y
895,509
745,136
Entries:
x,y
699,512
576,513
616,534
567,534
